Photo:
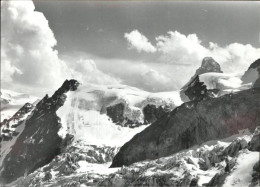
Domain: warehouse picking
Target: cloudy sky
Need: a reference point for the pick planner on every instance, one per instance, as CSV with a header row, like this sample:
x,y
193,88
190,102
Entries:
x,y
155,46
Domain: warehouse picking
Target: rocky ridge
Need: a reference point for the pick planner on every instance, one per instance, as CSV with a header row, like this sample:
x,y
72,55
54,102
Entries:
x,y
40,134
193,123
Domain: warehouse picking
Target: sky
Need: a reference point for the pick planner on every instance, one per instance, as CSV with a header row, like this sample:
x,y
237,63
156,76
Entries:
x,y
155,46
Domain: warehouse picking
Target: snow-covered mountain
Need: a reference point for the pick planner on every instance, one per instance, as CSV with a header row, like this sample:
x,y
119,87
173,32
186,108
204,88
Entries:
x,y
72,137
210,81
12,101
88,114
108,114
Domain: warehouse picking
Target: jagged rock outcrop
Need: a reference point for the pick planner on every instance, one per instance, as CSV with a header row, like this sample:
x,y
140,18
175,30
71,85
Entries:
x,y
252,75
39,142
193,123
8,126
208,65
256,175
254,144
150,114
196,90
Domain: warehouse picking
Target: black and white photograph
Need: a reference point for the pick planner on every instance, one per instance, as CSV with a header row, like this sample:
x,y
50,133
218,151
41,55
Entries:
x,y
128,93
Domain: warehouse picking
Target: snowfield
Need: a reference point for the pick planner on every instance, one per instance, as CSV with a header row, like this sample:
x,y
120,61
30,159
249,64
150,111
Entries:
x,y
84,112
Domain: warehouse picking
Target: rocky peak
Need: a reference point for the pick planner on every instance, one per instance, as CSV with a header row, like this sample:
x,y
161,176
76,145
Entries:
x,y
37,141
255,64
252,75
208,65
194,89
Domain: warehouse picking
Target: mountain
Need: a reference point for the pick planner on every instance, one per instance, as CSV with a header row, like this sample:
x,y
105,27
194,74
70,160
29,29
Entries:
x,y
193,123
72,137
252,75
36,141
89,114
210,81
12,101
233,161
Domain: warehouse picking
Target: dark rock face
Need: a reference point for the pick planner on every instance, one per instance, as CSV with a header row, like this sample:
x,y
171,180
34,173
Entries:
x,y
256,175
151,114
233,149
39,142
6,128
196,90
255,64
254,144
116,113
208,65
217,180
193,123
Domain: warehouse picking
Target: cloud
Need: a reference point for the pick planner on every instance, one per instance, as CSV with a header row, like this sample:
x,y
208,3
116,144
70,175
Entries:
x,y
234,57
187,50
28,58
154,80
139,42
85,70
27,43
179,49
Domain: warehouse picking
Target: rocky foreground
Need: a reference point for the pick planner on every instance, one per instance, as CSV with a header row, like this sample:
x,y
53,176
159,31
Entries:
x,y
229,162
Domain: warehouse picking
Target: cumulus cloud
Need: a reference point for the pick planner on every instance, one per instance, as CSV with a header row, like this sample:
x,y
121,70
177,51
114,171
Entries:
x,y
28,58
27,43
179,49
85,70
139,42
234,57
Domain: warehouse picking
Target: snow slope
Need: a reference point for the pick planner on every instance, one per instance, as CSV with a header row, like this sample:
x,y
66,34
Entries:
x,y
84,112
12,101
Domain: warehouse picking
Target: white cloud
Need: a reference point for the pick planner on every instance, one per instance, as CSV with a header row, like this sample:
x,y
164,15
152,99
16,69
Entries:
x,y
154,80
85,70
138,41
234,57
28,58
177,48
27,43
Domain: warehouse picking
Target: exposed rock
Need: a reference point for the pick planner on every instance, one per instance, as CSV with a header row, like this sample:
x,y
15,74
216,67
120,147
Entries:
x,y
233,149
40,134
256,175
196,90
193,123
208,65
255,64
252,75
217,180
151,113
8,126
254,144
